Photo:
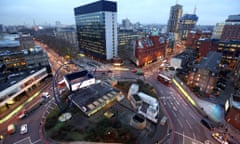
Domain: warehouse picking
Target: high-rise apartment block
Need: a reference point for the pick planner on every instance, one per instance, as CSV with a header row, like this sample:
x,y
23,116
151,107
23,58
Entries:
x,y
175,15
97,29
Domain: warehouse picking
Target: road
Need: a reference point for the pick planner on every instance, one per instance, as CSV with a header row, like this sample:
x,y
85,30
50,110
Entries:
x,y
33,122
185,119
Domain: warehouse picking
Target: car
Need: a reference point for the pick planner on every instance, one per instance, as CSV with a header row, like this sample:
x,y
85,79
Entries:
x,y
219,137
45,95
207,124
24,129
163,120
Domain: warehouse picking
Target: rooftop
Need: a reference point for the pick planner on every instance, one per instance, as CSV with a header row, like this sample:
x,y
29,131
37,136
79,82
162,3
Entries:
x,y
210,62
9,43
90,99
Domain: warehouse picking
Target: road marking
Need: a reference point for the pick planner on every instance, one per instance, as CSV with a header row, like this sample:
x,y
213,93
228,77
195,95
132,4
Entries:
x,y
189,124
180,123
174,114
174,108
36,141
24,140
194,141
181,113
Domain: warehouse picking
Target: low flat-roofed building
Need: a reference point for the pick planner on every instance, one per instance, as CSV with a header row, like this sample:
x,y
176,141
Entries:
x,y
78,80
93,98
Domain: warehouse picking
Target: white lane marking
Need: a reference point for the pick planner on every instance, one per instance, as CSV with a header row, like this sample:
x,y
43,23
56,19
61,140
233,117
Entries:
x,y
185,136
189,124
24,139
181,113
174,114
180,123
36,141
174,108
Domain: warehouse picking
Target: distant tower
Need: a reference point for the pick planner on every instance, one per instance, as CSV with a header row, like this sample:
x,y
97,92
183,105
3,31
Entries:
x,y
174,17
187,23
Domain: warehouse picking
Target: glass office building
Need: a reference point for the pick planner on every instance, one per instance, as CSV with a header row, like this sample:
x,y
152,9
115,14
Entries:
x,y
97,29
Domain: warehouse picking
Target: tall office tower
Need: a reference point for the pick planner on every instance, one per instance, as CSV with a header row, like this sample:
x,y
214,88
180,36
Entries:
x,y
187,23
97,29
217,32
174,17
231,28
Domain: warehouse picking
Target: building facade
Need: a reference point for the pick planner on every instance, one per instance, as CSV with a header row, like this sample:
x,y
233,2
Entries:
x,y
217,32
97,29
68,34
187,23
231,28
205,45
236,74
149,49
28,59
174,17
204,75
230,51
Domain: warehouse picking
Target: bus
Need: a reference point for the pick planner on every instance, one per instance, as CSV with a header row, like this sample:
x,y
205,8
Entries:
x,y
164,79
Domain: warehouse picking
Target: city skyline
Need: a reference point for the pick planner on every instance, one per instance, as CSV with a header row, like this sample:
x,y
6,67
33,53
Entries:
x,y
27,12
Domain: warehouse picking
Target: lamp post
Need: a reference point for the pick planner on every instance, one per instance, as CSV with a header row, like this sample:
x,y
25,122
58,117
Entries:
x,y
64,116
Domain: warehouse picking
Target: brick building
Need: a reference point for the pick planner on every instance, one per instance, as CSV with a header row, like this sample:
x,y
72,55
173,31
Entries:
x,y
204,75
149,49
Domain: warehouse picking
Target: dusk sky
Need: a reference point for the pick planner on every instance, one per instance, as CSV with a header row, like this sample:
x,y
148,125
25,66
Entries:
x,y
19,12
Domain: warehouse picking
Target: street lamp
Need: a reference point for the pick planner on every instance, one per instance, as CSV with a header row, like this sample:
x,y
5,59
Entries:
x,y
64,116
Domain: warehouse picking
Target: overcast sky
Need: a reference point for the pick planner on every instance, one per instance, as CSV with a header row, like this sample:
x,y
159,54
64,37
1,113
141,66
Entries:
x,y
210,12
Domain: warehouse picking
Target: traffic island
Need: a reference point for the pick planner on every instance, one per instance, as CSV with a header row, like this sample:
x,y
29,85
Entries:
x,y
110,124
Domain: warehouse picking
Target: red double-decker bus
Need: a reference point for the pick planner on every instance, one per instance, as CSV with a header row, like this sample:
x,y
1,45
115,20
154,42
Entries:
x,y
164,79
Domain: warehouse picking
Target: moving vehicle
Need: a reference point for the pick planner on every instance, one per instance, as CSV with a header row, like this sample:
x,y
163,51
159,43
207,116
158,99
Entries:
x,y
23,129
29,109
45,95
11,129
219,137
207,123
163,120
164,79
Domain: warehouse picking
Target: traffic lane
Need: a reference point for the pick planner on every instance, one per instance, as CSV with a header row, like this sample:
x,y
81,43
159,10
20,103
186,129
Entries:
x,y
183,121
186,117
192,116
14,119
33,126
